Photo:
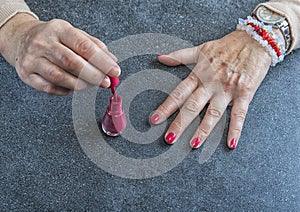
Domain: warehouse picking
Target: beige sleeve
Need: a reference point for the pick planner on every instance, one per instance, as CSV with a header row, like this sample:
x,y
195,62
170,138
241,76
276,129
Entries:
x,y
9,8
291,10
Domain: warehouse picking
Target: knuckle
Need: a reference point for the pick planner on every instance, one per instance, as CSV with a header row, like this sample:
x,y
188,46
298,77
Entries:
x,y
176,126
192,106
81,85
68,61
55,75
208,48
214,113
244,91
245,84
47,88
229,84
204,131
96,78
239,115
84,46
27,63
54,22
193,77
58,23
204,47
36,42
23,74
246,94
236,131
51,89
177,95
164,109
101,45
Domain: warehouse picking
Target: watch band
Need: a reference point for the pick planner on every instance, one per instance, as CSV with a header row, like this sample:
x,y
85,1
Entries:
x,y
284,27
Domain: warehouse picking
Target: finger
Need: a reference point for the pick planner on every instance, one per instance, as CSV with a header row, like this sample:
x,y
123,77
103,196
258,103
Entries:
x,y
105,83
238,115
40,84
61,78
74,64
101,45
57,76
212,116
176,99
87,49
183,56
190,110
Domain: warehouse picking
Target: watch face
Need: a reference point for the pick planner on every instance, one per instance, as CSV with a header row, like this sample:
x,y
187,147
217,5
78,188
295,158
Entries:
x,y
267,16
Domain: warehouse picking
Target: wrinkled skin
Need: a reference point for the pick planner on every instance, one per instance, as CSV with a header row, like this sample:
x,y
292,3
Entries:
x,y
54,57
228,71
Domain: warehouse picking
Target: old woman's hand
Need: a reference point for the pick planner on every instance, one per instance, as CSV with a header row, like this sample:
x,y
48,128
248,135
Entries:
x,y
228,71
54,57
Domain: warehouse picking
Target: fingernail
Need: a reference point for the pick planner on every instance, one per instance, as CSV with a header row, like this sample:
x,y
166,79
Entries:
x,y
105,83
170,138
232,144
155,118
116,71
161,55
195,143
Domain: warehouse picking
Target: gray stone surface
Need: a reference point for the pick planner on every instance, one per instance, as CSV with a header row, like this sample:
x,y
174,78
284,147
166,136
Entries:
x,y
43,166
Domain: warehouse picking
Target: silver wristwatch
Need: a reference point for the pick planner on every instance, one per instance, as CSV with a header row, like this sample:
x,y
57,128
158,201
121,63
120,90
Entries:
x,y
277,21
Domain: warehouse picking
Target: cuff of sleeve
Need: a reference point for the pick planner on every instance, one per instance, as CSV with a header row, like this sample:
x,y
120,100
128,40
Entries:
x,y
281,10
10,9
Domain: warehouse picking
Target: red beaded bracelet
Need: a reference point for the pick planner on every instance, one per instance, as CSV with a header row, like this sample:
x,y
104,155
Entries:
x,y
265,36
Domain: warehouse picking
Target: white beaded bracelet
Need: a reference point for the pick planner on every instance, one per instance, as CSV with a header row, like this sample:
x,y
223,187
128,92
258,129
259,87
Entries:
x,y
265,36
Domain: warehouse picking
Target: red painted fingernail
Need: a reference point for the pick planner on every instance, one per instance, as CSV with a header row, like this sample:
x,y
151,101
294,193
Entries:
x,y
155,118
232,144
170,138
195,143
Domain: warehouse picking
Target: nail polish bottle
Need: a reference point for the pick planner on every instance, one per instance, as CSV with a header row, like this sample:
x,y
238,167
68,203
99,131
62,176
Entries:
x,y
114,120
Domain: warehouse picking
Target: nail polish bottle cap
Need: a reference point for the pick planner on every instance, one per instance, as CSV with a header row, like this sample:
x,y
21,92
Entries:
x,y
117,113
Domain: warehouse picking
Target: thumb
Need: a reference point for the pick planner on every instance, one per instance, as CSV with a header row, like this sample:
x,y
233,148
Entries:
x,y
184,56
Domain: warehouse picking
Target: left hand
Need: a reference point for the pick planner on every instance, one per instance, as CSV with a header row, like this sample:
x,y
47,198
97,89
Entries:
x,y
228,71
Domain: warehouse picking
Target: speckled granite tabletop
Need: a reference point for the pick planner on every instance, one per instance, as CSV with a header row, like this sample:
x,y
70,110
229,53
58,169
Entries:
x,y
43,165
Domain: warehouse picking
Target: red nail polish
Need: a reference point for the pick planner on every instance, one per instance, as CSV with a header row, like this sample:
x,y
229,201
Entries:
x,y
114,82
232,144
195,143
170,138
155,118
114,120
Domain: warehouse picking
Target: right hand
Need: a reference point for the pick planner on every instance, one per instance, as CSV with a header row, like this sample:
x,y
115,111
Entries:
x,y
54,57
